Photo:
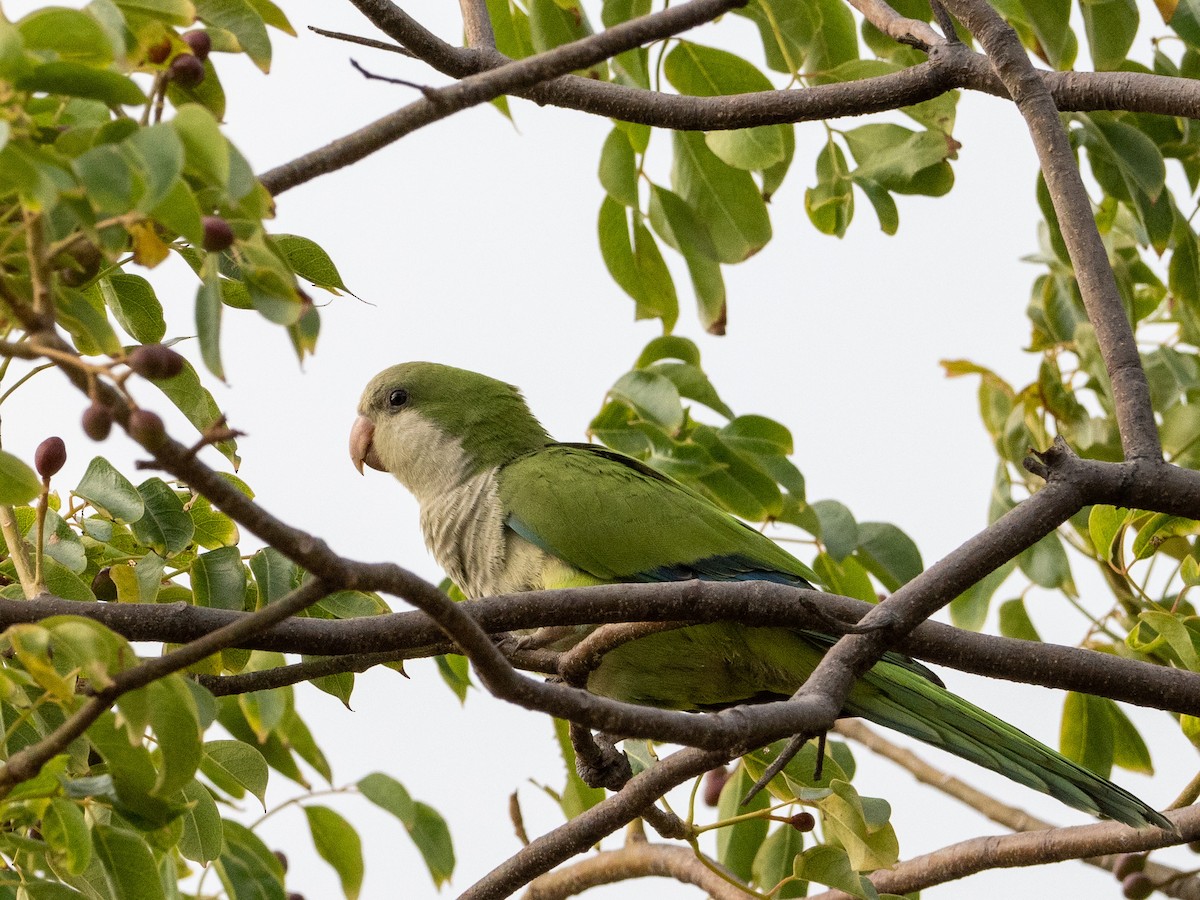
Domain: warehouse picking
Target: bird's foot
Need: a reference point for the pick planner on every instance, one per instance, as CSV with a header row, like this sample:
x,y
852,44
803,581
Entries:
x,y
598,761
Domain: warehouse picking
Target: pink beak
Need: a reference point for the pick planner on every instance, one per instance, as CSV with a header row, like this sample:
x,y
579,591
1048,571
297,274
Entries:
x,y
361,448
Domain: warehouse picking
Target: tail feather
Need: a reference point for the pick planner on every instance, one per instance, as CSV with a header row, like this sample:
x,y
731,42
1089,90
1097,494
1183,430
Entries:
x,y
896,698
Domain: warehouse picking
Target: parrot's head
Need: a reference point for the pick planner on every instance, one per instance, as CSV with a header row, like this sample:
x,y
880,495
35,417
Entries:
x,y
433,426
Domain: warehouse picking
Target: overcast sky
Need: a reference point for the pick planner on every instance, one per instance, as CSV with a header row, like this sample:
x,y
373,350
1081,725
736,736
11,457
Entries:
x,y
473,243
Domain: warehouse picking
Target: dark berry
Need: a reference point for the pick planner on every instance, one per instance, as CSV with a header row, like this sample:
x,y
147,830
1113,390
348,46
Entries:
x,y
104,587
1128,863
279,854
218,235
714,780
803,821
186,71
80,264
50,456
1137,886
200,43
147,429
97,421
155,361
158,53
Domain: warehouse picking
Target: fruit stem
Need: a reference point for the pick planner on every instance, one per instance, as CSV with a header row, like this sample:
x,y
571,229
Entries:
x,y
16,550
43,501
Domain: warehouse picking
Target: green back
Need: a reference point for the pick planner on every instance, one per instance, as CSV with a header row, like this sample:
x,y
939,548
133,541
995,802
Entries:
x,y
619,520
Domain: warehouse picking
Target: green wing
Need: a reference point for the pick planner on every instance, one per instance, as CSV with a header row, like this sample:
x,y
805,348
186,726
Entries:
x,y
619,520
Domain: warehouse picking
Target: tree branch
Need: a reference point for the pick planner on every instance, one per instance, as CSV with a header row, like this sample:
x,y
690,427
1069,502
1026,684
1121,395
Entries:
x,y
28,761
1031,848
591,826
477,23
1098,286
636,860
1174,883
510,77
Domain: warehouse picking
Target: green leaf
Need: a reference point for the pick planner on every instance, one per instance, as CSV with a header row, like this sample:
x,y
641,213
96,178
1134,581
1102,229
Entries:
x,y
165,526
202,839
708,72
839,531
1129,749
213,528
677,224
197,405
206,150
834,39
1050,20
1135,155
636,264
1015,621
425,826
78,80
60,33
724,198
244,22
869,844
1047,565
1104,524
66,830
176,724
135,305
618,169
338,844
738,844
786,30
208,317
235,767
829,865
128,864
19,484
901,160
174,12
1086,735
83,314
969,609
219,579
310,261
888,553
1111,26
275,575
652,396
247,867
774,860
456,672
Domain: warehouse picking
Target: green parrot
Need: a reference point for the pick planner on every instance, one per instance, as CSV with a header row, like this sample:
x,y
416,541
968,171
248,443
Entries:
x,y
506,508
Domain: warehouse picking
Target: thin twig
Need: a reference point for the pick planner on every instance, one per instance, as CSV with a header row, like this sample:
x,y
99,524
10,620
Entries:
x,y
637,859
17,552
364,41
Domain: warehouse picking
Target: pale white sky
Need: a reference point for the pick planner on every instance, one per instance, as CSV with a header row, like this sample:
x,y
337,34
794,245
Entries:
x,y
473,243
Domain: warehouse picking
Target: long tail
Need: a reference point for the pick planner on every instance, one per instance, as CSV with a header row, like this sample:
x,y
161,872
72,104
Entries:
x,y
897,698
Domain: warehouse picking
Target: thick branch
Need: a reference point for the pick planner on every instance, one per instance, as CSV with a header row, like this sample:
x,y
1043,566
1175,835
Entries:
x,y
504,79
411,635
1032,848
635,860
1098,286
590,827
1174,883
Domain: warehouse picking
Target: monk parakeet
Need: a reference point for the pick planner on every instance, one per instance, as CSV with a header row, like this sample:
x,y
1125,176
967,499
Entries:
x,y
506,508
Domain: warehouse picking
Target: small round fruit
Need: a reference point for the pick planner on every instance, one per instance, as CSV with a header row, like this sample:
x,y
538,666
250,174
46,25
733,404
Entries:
x,y
97,421
1128,863
186,70
81,264
155,361
50,456
147,429
283,861
1137,886
200,42
218,235
158,53
104,587
803,821
714,781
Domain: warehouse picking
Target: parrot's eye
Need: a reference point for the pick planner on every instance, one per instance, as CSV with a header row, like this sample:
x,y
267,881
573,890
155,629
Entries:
x,y
397,398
